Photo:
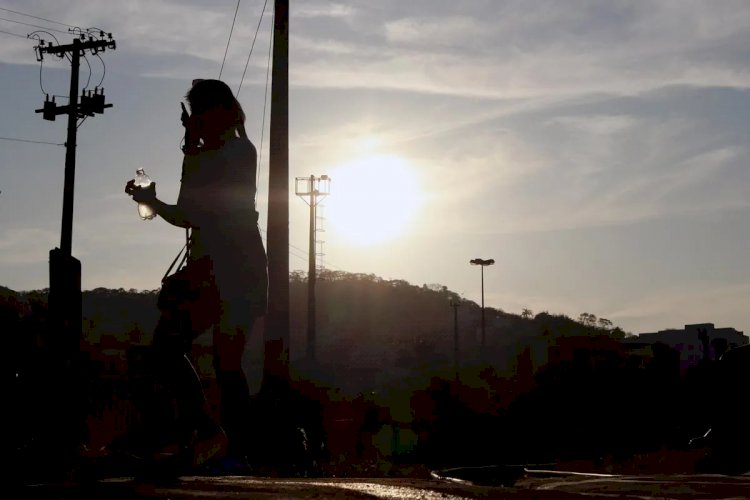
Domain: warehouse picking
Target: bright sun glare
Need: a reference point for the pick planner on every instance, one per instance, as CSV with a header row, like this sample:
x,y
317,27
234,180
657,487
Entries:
x,y
372,200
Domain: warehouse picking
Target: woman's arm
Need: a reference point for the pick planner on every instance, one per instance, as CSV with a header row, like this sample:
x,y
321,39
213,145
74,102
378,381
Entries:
x,y
170,213
174,214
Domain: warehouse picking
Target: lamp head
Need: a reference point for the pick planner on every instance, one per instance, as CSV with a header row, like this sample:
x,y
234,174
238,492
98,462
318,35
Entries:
x,y
482,262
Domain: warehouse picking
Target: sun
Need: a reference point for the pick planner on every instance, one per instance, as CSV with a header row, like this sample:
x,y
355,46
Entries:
x,y
373,199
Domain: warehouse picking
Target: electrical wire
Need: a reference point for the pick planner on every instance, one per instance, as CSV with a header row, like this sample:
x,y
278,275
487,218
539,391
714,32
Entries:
x,y
31,141
231,30
265,103
104,70
35,26
35,36
263,12
41,86
13,34
36,17
305,255
299,253
89,78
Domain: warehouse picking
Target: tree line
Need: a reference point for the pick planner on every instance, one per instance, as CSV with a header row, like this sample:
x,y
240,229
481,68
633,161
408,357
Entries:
x,y
397,381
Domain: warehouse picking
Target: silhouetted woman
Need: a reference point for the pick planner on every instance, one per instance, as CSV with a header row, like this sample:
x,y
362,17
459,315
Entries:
x,y
217,202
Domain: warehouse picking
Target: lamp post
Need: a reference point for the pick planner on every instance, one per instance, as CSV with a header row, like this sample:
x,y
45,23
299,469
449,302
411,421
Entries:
x,y
482,263
455,304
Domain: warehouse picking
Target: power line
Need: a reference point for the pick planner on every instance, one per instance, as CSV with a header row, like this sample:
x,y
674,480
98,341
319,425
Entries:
x,y
14,34
257,29
35,36
305,256
36,17
231,30
104,69
265,103
86,59
31,141
35,26
41,85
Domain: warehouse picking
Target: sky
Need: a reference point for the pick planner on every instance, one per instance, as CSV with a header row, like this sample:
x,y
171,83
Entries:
x,y
596,150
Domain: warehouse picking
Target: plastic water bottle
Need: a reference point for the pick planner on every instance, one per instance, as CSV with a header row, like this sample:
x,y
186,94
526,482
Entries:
x,y
143,180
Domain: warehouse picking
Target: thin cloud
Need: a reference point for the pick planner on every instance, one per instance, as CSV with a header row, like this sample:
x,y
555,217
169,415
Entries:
x,y
311,10
524,52
487,50
25,245
699,303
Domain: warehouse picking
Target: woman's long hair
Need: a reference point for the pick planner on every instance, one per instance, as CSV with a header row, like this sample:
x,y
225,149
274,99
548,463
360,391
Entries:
x,y
210,94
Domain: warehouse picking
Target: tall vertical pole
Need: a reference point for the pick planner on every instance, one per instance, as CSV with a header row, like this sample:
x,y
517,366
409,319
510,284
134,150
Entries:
x,y
455,305
315,188
482,268
311,274
65,271
65,369
66,238
65,298
276,358
482,263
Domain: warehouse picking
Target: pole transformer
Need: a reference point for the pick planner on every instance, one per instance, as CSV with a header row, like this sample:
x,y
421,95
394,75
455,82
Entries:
x,y
316,188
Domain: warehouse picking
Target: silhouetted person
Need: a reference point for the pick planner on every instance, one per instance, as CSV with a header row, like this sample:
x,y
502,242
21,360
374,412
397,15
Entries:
x,y
217,202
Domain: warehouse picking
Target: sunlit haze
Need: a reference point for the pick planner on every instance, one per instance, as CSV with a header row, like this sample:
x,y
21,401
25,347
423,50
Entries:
x,y
376,199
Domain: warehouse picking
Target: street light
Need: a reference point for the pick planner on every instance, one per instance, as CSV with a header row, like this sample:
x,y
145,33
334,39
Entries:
x,y
482,263
455,304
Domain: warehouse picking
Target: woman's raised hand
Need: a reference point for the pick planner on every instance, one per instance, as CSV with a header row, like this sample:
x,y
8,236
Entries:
x,y
141,194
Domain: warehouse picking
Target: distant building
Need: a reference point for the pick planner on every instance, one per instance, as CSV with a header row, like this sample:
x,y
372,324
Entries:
x,y
589,350
694,343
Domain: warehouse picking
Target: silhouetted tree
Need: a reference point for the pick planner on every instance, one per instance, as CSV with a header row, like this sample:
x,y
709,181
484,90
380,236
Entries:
x,y
587,319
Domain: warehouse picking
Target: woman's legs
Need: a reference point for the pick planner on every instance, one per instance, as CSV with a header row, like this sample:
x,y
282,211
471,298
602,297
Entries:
x,y
173,368
229,344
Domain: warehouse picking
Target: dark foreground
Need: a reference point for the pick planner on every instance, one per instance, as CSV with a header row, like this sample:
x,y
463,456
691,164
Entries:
x,y
529,484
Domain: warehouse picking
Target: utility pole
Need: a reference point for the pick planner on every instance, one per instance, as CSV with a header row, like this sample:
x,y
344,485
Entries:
x,y
64,374
455,305
276,337
316,188
65,270
482,263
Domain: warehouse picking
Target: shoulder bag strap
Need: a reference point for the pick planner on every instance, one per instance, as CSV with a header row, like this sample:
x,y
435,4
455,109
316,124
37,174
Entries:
x,y
186,249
